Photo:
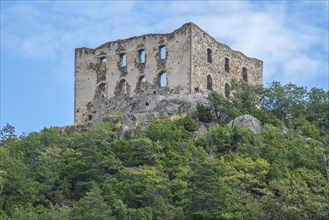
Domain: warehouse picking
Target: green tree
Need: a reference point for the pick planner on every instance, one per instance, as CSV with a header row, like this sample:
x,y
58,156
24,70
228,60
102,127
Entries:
x,y
205,191
318,108
187,123
7,132
203,113
166,130
306,128
18,186
302,195
246,97
223,108
91,207
136,152
286,101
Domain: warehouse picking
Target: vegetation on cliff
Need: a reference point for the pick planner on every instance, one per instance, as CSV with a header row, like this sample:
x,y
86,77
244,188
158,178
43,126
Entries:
x,y
166,173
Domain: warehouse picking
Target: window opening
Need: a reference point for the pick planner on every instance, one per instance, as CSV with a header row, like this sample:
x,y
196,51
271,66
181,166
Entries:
x,y
245,74
163,52
142,79
209,82
123,58
163,79
227,90
103,59
90,117
102,89
141,54
209,55
123,86
227,65
142,83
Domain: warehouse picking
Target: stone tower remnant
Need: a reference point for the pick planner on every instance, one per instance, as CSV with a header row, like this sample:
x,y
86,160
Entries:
x,y
186,61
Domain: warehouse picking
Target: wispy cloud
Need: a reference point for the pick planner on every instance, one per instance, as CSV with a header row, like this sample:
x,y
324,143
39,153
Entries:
x,y
276,32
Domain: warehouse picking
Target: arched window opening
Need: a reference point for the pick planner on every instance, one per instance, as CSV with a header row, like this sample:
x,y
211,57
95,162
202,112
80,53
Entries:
x,y
163,52
141,55
245,74
103,59
209,55
123,86
209,82
102,89
142,79
142,83
227,64
163,79
123,59
227,90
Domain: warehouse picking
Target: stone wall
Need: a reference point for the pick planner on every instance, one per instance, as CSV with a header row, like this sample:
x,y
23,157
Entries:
x,y
85,82
214,65
185,61
130,66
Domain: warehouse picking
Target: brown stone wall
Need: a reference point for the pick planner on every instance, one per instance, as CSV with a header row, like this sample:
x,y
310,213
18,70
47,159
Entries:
x,y
193,59
85,82
201,67
108,78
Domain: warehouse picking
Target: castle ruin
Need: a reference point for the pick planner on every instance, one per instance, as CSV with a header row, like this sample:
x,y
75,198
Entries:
x,y
186,61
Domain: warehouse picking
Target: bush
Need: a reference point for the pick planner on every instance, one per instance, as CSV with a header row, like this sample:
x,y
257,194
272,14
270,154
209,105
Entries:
x,y
203,113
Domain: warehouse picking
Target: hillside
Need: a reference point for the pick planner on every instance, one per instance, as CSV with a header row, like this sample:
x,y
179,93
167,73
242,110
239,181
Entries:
x,y
163,170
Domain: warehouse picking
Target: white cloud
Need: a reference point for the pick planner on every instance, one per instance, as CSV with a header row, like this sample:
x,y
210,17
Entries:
x,y
299,69
283,38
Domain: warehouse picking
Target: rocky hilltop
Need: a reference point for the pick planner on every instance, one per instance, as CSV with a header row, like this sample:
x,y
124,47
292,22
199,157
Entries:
x,y
164,104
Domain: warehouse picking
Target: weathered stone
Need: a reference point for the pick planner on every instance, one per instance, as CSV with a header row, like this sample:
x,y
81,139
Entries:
x,y
202,130
247,121
125,129
130,121
76,127
111,119
284,130
140,73
177,104
138,118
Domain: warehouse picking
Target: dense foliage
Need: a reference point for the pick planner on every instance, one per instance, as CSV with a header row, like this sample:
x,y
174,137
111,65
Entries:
x,y
167,173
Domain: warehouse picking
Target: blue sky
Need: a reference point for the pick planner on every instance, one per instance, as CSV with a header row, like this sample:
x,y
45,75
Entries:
x,y
38,40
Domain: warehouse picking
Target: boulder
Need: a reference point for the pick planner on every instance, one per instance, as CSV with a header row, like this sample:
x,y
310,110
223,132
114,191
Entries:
x,y
247,121
202,130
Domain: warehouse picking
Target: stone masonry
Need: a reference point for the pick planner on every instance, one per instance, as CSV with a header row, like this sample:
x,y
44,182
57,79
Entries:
x,y
186,61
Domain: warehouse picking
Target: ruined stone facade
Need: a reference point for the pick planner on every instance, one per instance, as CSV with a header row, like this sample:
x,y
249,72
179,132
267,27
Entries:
x,y
186,61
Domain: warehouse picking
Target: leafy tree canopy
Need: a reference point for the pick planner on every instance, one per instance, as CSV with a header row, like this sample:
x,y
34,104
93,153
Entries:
x,y
169,172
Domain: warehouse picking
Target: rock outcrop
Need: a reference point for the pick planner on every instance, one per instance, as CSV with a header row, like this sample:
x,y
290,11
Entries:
x,y
167,105
247,121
